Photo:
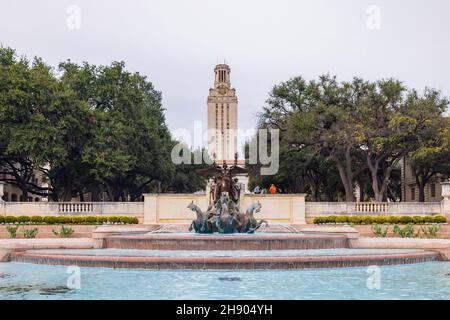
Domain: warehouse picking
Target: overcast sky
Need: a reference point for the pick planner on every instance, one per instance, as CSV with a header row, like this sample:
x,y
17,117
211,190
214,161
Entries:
x,y
177,43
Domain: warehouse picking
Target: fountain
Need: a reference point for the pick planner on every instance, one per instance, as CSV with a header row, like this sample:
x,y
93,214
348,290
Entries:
x,y
223,214
223,238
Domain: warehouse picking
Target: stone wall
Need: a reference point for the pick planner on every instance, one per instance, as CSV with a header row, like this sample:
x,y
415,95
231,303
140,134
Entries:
x,y
172,208
135,209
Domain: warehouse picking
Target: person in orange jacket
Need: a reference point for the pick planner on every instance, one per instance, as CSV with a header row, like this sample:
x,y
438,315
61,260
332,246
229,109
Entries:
x,y
272,189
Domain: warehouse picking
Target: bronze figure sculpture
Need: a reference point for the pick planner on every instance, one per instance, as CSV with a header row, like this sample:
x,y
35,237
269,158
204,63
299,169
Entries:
x,y
223,214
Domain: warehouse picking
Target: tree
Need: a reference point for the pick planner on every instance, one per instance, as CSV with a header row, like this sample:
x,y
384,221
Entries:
x,y
319,116
431,154
131,142
26,91
363,128
184,178
86,129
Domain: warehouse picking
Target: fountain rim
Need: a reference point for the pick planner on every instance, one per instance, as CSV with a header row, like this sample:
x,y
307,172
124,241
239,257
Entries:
x,y
236,263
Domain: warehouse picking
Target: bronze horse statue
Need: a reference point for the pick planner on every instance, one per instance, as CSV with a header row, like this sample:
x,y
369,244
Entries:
x,y
247,221
223,214
202,223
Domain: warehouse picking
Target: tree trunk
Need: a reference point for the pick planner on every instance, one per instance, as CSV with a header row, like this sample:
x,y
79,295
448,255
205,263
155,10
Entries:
x,y
67,195
421,187
347,183
422,177
95,195
380,192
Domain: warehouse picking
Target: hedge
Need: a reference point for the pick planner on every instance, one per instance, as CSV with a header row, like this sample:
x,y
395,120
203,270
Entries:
x,y
67,220
380,220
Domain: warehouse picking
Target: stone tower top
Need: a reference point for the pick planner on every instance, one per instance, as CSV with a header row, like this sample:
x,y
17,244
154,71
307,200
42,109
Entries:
x,y
222,72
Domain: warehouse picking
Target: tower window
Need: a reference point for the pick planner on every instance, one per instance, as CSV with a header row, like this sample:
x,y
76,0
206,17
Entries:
x,y
413,194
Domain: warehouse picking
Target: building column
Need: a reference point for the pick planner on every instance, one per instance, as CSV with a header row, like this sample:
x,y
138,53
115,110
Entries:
x,y
446,195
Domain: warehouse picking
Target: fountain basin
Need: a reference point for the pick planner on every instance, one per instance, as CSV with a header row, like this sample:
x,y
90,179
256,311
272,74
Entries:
x,y
258,241
225,261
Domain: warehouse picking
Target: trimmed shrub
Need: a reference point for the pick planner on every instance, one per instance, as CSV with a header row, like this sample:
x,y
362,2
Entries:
x,y
91,220
23,219
36,219
102,220
78,220
50,220
428,219
367,220
129,220
113,219
318,220
440,219
341,219
394,220
10,219
406,220
380,220
64,219
417,220
355,219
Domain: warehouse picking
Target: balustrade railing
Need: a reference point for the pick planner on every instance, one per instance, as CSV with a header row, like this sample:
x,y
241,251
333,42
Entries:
x,y
375,207
75,207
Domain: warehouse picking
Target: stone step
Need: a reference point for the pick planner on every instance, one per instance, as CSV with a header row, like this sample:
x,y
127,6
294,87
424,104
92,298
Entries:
x,y
258,241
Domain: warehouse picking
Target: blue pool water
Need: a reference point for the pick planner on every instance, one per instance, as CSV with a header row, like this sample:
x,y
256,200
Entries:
x,y
419,281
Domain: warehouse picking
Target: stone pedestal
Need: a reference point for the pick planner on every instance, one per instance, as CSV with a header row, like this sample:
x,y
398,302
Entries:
x,y
2,190
150,208
446,196
2,203
298,209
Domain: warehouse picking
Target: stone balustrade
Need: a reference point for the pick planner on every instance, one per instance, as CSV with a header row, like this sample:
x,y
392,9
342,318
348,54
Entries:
x,y
373,207
172,208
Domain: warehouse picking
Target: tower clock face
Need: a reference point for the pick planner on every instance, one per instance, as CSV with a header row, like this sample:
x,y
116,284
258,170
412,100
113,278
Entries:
x,y
223,90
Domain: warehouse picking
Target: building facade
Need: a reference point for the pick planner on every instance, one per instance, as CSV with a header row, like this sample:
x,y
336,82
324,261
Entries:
x,y
222,116
410,189
11,193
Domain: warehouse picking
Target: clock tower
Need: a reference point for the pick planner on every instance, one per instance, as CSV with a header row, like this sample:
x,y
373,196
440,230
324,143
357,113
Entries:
x,y
222,117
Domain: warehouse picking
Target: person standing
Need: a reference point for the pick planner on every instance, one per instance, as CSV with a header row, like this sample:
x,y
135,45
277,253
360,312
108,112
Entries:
x,y
272,189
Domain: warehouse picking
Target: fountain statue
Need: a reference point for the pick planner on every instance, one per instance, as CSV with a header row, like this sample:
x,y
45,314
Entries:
x,y
223,214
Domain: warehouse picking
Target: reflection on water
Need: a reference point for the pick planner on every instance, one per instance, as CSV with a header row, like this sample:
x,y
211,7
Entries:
x,y
230,279
39,289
